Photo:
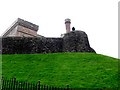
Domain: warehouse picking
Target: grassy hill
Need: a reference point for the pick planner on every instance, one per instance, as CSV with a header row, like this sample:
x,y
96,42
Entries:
x,y
78,70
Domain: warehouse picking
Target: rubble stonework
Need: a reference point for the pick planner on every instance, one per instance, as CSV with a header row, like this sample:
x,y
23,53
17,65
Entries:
x,y
74,41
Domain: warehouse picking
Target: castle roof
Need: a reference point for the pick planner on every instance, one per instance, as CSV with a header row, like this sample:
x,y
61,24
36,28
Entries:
x,y
23,23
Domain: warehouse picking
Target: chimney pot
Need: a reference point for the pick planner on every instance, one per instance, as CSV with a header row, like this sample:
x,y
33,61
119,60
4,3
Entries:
x,y
67,24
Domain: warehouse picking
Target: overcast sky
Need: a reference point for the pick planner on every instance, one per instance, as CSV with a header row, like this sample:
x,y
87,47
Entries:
x,y
98,18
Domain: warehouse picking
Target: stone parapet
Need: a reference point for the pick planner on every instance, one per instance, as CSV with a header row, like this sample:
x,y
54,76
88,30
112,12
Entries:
x,y
75,41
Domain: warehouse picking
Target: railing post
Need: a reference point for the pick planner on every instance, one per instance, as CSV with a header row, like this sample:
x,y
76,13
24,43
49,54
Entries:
x,y
2,86
67,87
38,86
26,86
47,88
14,82
44,87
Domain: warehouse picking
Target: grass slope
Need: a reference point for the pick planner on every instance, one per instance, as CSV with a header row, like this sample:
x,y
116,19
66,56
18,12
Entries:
x,y
79,70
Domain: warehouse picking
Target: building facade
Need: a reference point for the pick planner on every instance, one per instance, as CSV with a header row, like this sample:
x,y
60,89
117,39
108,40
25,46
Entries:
x,y
21,28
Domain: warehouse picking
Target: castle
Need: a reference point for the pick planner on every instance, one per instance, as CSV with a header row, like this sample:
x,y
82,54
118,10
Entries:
x,y
22,37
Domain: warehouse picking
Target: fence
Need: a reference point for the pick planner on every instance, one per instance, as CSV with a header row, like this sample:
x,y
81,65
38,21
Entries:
x,y
14,84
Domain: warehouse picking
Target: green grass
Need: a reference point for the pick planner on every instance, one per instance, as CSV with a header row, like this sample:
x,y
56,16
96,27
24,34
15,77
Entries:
x,y
78,70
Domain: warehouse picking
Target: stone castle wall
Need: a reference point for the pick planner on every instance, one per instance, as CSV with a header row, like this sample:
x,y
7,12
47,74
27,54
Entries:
x,y
23,45
76,41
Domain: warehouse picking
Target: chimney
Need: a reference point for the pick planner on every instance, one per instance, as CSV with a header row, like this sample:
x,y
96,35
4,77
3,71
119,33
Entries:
x,y
67,24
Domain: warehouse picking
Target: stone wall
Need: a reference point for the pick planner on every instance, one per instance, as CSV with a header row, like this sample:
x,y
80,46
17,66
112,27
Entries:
x,y
25,32
21,45
75,41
